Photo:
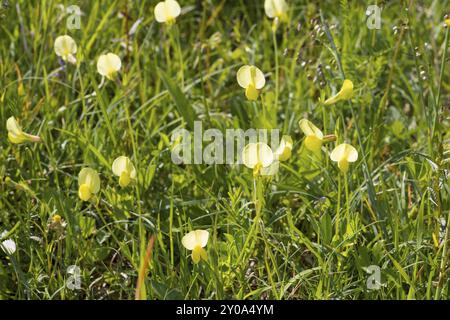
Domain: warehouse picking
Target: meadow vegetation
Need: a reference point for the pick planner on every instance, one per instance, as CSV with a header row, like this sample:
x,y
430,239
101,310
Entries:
x,y
317,229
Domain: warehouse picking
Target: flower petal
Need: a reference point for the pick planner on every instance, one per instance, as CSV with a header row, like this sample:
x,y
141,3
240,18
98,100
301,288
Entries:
x,y
91,178
196,254
108,65
284,150
257,153
244,77
309,129
8,246
119,165
201,237
313,143
345,93
338,153
65,46
13,127
275,8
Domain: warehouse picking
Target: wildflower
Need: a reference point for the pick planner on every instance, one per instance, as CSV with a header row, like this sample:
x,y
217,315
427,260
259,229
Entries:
x,y
314,137
56,218
166,11
124,169
345,93
447,22
257,156
276,9
89,182
15,133
252,80
343,154
284,150
108,65
8,246
66,48
196,240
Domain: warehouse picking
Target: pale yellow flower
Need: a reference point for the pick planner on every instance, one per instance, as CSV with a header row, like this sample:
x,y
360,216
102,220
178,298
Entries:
x,y
314,137
166,11
15,133
196,240
345,93
108,65
252,80
284,150
343,154
257,156
89,182
276,9
447,22
124,169
66,48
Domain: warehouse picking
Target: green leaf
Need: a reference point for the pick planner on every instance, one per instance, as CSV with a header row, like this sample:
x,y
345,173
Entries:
x,y
183,106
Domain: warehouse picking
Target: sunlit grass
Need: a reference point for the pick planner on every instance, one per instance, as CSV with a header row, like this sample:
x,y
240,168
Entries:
x,y
310,232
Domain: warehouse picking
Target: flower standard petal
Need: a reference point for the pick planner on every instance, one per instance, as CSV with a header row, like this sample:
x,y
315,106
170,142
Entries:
x,y
173,8
345,93
8,246
275,8
108,65
284,150
89,182
257,153
65,46
160,12
338,153
244,77
251,93
167,11
201,237
343,154
196,254
258,77
123,168
15,133
314,137
352,153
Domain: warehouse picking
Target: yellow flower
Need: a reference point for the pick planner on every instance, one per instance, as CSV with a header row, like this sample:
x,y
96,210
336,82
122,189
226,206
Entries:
x,y
108,65
166,11
89,182
346,93
123,168
314,137
284,150
276,9
447,22
15,133
196,240
257,156
343,154
66,48
252,80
